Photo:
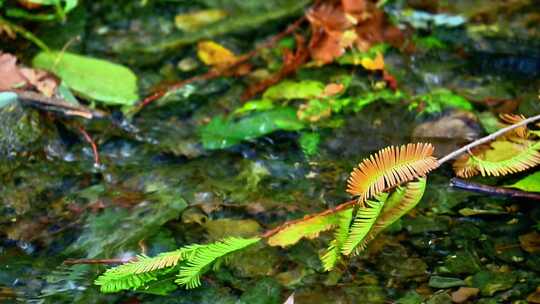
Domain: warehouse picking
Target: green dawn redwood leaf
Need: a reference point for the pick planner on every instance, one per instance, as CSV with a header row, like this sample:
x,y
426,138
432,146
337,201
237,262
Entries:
x,y
97,79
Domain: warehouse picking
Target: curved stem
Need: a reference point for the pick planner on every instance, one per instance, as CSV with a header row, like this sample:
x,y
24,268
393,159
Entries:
x,y
488,138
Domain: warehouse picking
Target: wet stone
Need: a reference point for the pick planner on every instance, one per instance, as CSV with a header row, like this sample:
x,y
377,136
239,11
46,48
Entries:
x,y
462,262
20,128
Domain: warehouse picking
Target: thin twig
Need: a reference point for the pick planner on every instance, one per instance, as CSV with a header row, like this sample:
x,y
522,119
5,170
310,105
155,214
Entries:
x,y
92,143
492,190
486,139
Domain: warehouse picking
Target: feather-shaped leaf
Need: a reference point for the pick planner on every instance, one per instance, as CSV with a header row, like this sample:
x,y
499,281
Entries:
x,y
500,157
389,167
333,253
309,227
363,222
400,202
521,132
205,255
137,273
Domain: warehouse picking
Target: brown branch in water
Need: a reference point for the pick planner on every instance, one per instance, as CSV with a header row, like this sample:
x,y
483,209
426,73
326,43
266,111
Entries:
x,y
492,190
92,143
214,73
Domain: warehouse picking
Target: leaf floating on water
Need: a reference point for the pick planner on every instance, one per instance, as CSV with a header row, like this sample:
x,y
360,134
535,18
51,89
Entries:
x,y
93,78
222,133
295,90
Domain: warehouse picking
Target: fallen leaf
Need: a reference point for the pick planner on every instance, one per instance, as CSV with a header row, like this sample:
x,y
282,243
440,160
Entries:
x,y
214,54
463,294
373,64
11,76
347,24
93,78
44,82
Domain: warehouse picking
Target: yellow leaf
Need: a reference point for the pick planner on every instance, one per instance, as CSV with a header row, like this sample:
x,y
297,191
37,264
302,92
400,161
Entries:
x,y
214,54
373,64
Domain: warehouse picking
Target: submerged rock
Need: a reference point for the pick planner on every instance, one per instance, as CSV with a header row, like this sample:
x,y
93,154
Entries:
x,y
489,282
19,130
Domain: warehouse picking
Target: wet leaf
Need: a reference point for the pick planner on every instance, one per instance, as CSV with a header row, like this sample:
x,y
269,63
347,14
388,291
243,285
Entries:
x,y
255,105
193,21
222,133
93,78
214,54
439,99
530,183
287,90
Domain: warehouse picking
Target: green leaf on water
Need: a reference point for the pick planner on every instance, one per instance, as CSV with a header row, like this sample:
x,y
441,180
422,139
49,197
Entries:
x,y
530,183
439,99
255,105
93,78
222,132
287,90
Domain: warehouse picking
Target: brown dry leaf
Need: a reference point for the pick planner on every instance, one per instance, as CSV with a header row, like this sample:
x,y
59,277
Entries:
x,y
328,23
44,82
11,76
463,294
341,25
16,76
